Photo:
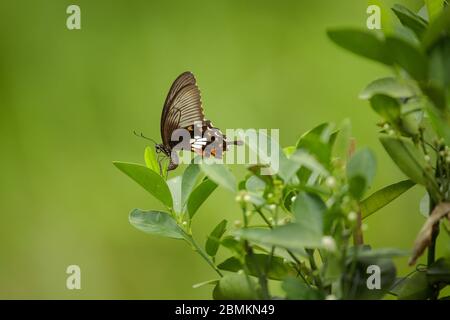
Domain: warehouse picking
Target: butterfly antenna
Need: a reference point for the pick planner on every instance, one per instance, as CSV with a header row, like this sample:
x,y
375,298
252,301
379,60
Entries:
x,y
144,137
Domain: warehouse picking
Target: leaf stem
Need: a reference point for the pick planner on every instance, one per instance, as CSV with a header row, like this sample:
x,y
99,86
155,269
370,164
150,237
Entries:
x,y
314,267
358,239
203,254
261,276
298,262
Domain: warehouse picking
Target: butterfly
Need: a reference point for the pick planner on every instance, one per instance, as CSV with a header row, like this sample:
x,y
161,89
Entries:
x,y
183,117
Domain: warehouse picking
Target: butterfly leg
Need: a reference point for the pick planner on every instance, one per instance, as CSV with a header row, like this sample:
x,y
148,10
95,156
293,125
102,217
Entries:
x,y
159,163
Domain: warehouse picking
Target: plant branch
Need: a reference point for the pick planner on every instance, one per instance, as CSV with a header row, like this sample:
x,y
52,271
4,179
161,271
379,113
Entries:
x,y
298,262
314,267
358,239
203,255
261,276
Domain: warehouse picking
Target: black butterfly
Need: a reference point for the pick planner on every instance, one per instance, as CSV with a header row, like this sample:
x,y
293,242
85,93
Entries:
x,y
183,110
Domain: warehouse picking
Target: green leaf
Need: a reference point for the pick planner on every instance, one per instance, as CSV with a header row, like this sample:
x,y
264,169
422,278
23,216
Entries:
x,y
289,236
213,241
287,168
190,178
149,180
288,151
175,190
305,160
424,205
232,244
204,283
384,196
331,218
361,171
316,133
440,66
237,287
436,94
284,167
434,8
440,121
408,57
164,168
296,289
437,29
332,138
150,159
439,272
362,43
415,287
309,210
276,268
315,142
392,87
255,184
259,263
343,140
157,223
407,157
199,195
387,107
256,198
220,174
232,264
383,253
332,269
270,156
410,20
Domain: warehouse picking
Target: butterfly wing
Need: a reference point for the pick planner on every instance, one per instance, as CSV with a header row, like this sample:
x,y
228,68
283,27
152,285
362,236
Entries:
x,y
183,106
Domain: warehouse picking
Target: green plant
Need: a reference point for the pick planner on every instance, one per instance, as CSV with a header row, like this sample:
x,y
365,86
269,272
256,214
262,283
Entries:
x,y
414,105
297,227
302,226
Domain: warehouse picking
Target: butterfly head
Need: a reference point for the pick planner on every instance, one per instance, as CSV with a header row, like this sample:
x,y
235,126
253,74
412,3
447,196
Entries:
x,y
162,148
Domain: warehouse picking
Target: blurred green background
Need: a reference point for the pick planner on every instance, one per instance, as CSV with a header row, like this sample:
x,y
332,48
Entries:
x,y
69,101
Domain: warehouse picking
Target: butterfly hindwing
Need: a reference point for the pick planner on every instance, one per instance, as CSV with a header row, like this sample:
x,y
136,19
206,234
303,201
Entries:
x,y
206,140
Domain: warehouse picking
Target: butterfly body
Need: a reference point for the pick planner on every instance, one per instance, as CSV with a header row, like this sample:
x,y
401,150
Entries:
x,y
183,124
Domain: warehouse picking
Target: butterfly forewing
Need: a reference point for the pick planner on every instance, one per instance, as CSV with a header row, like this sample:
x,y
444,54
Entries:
x,y
183,107
184,79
